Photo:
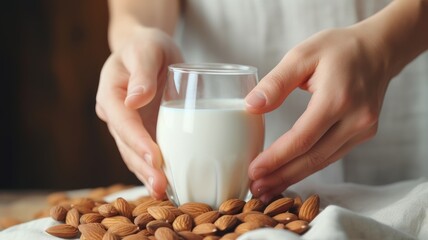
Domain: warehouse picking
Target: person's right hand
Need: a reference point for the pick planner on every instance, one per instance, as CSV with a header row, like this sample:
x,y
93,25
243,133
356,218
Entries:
x,y
128,98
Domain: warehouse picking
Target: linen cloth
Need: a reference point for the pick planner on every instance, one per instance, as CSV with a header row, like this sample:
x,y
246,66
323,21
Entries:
x,y
349,211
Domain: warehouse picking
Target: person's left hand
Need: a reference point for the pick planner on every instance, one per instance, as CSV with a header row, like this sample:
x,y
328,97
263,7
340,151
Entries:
x,y
348,78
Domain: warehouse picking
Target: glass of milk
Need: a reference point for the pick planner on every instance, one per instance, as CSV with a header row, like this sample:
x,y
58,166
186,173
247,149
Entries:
x,y
206,136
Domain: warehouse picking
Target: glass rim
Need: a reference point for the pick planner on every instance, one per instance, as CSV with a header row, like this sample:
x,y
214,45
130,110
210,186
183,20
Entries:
x,y
213,68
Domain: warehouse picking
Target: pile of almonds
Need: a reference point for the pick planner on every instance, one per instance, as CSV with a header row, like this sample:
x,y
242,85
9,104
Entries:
x,y
147,218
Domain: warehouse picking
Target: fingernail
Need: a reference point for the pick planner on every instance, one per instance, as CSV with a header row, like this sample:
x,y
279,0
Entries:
x,y
150,182
137,90
258,173
148,158
256,99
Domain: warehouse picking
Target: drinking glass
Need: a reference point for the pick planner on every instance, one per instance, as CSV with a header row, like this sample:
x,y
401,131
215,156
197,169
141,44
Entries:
x,y
206,136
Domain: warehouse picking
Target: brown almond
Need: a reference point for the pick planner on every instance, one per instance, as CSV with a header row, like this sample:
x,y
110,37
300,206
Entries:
x,y
142,220
63,231
195,209
166,234
231,206
177,212
123,207
137,236
107,210
296,206
212,237
155,224
110,236
93,231
83,202
205,229
298,226
166,203
226,222
247,226
82,209
58,213
208,217
279,226
230,236
285,217
161,213
254,204
279,206
110,221
310,208
183,222
123,229
263,219
187,235
91,218
142,207
241,216
73,218
143,199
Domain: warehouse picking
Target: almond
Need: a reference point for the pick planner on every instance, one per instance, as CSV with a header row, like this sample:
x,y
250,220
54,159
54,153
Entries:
x,y
279,226
165,233
226,222
177,212
208,217
83,203
247,226
241,216
142,220
108,210
285,217
161,213
123,229
212,237
142,207
263,219
137,236
155,224
63,231
231,206
298,226
254,204
93,231
183,223
279,206
58,213
296,206
310,208
110,236
73,217
82,209
123,207
195,209
108,222
230,236
205,229
91,218
187,235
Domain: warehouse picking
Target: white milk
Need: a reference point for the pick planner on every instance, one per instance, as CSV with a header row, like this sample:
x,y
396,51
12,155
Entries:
x,y
207,151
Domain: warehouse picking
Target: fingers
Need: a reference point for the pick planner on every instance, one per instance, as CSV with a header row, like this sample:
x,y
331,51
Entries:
x,y
153,179
144,63
303,166
294,69
309,128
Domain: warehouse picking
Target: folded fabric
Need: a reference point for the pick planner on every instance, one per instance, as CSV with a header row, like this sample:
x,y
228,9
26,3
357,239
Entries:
x,y
350,211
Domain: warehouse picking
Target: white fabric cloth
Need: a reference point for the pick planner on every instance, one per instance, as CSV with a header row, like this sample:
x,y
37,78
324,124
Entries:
x,y
259,33
350,211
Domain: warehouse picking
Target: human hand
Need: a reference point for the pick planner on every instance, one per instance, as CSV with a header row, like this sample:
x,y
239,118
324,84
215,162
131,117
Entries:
x,y
347,78
128,99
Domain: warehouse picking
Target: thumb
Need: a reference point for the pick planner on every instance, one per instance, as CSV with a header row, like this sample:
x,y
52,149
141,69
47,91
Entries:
x,y
143,69
272,90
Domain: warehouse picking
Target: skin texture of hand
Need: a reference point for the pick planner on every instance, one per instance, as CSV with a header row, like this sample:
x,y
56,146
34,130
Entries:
x,y
347,90
128,99
347,71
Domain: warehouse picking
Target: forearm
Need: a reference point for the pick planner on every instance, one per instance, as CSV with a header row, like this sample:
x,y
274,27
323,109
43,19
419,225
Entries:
x,y
127,16
399,32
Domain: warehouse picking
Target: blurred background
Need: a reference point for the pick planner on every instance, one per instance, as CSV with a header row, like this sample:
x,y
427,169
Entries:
x,y
51,56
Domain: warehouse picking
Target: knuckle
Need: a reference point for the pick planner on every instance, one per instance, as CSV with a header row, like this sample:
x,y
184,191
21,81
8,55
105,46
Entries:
x,y
367,119
315,159
301,144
